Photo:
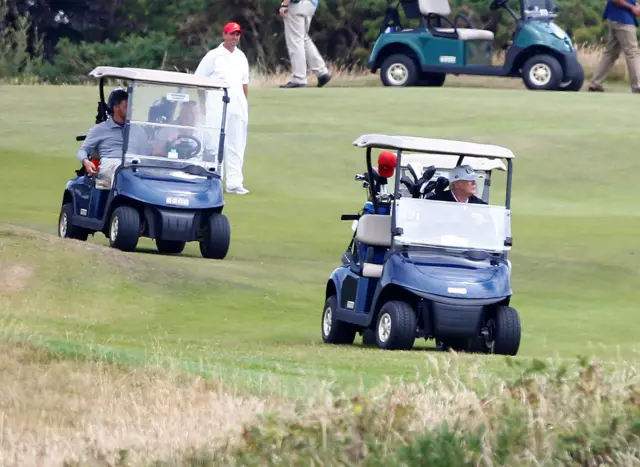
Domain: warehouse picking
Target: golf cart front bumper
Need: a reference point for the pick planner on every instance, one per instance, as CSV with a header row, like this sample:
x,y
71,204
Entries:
x,y
449,317
173,224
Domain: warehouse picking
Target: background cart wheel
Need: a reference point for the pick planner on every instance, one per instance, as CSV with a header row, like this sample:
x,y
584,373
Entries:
x,y
396,326
124,228
217,237
333,330
399,70
542,72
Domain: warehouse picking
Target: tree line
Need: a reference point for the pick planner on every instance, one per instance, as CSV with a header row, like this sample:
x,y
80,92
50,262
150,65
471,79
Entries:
x,y
62,40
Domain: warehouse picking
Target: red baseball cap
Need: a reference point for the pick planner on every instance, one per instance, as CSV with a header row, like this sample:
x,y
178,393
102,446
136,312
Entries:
x,y
232,27
387,164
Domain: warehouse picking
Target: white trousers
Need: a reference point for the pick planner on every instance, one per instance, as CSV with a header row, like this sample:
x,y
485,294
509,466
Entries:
x,y
235,143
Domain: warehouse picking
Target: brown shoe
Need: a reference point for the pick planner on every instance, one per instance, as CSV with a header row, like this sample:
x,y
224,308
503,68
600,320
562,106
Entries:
x,y
595,89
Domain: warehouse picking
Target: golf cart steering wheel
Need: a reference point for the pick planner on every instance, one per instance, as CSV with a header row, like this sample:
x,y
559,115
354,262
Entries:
x,y
496,4
187,146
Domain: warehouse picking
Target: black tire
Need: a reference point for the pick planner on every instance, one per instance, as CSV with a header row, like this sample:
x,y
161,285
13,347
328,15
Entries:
x,y
170,247
66,229
506,333
432,79
575,83
335,331
124,228
541,65
369,337
399,70
400,320
217,237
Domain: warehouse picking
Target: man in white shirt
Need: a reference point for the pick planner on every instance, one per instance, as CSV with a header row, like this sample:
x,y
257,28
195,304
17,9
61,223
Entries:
x,y
229,63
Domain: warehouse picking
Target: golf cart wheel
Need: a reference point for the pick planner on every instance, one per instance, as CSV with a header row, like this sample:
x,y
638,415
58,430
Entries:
x,y
575,83
542,72
369,337
506,331
169,247
432,79
66,229
217,236
335,331
399,70
396,326
124,228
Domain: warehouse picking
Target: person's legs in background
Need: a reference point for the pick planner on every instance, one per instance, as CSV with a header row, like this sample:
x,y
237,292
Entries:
x,y
628,40
302,51
315,61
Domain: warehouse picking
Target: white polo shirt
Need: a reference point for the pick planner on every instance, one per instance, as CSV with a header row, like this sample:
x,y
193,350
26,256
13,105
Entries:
x,y
233,67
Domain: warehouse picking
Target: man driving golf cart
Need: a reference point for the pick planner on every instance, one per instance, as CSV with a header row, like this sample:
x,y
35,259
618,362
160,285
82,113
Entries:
x,y
169,135
462,188
106,140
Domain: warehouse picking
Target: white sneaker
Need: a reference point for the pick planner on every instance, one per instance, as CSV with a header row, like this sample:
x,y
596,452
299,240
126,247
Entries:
x,y
238,190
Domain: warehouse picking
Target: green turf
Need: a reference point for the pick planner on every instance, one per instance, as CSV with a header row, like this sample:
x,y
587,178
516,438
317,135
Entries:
x,y
257,313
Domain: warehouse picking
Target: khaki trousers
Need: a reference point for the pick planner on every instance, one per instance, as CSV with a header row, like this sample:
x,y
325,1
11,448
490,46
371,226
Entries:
x,y
302,50
621,37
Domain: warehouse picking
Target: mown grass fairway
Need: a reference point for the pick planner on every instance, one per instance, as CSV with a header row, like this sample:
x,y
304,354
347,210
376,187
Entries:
x,y
255,317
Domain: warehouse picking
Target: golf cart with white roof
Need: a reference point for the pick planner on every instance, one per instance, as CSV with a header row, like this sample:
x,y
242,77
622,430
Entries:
x,y
430,269
167,185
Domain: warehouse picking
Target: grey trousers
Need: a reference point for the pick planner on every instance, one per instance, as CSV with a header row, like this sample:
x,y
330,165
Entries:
x,y
621,38
302,51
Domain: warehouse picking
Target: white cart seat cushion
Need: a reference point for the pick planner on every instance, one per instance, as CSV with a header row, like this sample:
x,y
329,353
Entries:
x,y
374,230
372,270
466,34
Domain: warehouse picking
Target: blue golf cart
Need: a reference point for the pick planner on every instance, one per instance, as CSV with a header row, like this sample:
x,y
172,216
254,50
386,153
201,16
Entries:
x,y
417,267
167,185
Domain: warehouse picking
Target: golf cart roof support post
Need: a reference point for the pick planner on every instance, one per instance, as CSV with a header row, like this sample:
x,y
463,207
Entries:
x,y
127,122
396,190
102,91
460,160
225,101
509,181
487,187
372,182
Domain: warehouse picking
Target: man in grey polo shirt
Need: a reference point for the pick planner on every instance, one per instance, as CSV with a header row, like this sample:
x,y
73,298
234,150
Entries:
x,y
106,139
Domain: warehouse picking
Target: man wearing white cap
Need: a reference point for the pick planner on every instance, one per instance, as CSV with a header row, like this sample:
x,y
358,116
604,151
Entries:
x,y
229,63
462,186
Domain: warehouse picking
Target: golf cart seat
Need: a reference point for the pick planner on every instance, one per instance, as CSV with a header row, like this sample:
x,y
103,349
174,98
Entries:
x,y
374,230
439,10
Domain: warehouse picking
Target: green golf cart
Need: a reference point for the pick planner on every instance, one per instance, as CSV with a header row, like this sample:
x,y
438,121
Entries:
x,y
540,52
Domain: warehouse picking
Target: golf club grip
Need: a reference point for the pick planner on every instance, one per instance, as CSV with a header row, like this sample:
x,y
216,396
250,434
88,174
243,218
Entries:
x,y
349,217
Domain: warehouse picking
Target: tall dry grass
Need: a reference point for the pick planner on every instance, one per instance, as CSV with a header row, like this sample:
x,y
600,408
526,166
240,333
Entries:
x,y
589,55
61,412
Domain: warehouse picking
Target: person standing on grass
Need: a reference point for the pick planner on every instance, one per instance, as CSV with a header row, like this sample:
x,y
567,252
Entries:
x,y
297,16
229,63
621,24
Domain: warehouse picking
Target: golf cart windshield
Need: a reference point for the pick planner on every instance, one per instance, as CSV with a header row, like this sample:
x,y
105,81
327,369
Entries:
x,y
174,123
444,224
538,9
